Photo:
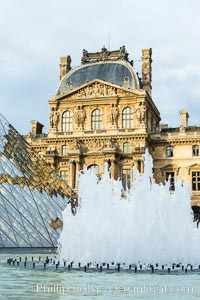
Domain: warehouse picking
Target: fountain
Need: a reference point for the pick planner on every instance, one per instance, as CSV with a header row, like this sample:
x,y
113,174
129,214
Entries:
x,y
150,225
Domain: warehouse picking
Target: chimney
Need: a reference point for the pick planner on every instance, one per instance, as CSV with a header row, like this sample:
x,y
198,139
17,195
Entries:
x,y
146,69
36,127
65,65
184,119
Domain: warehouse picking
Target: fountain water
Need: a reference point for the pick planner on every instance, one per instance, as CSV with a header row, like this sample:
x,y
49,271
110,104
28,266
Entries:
x,y
151,225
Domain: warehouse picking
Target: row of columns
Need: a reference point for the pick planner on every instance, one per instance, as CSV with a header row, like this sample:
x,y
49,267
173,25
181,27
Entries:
x,y
75,167
74,170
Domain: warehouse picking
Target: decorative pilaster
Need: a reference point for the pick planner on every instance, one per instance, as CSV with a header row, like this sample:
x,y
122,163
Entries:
x,y
78,167
112,168
141,166
54,119
147,69
65,65
72,178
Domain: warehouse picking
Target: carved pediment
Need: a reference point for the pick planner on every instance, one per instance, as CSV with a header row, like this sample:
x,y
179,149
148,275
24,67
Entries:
x,y
170,168
193,167
97,89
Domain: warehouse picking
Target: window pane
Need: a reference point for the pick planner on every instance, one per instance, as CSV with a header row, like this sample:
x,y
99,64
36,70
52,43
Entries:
x,y
64,149
171,176
196,181
127,118
126,178
64,175
195,150
127,148
169,151
96,120
67,121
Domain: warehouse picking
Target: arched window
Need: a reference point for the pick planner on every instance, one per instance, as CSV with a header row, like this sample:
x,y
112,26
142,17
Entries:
x,y
96,168
64,150
126,147
127,118
96,120
67,121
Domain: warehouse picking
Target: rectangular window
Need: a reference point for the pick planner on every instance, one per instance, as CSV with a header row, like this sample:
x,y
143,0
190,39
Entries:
x,y
96,120
127,118
64,150
170,176
126,178
169,151
196,181
127,148
195,150
64,175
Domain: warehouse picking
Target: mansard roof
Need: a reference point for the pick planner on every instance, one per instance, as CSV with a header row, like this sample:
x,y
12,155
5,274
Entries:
x,y
112,67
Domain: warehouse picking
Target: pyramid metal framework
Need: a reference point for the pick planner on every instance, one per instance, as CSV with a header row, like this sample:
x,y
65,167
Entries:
x,y
31,196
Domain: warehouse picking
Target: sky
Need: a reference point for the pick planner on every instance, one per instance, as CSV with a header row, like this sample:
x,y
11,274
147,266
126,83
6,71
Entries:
x,y
34,34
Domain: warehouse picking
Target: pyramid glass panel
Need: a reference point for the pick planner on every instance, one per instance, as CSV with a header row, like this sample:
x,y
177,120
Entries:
x,y
32,198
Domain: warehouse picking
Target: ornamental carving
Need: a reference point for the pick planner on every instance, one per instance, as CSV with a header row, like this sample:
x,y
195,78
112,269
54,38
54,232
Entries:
x,y
79,116
123,55
114,114
140,114
95,145
111,144
85,57
54,118
98,89
146,69
104,55
77,145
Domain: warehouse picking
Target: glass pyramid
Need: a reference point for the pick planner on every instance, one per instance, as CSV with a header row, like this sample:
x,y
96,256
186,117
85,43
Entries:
x,y
31,197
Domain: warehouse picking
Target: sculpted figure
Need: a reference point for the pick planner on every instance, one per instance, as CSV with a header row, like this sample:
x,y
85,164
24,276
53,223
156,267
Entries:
x,y
114,114
79,116
140,114
54,117
51,118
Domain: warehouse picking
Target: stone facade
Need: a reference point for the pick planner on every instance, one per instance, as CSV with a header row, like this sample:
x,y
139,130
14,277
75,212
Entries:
x,y
103,112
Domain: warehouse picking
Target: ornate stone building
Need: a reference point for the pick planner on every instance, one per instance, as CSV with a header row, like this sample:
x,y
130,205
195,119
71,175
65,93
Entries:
x,y
103,112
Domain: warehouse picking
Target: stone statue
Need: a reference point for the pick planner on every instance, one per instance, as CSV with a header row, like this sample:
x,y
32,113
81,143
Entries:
x,y
54,118
85,57
51,118
123,55
103,55
110,143
140,114
77,144
114,114
79,116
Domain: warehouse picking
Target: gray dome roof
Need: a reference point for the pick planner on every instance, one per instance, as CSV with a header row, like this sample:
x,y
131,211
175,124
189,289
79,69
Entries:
x,y
119,73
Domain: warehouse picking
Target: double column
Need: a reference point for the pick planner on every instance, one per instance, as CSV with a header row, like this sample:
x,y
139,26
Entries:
x,y
140,165
74,170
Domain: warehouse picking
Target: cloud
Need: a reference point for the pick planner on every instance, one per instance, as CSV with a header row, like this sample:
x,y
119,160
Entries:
x,y
34,34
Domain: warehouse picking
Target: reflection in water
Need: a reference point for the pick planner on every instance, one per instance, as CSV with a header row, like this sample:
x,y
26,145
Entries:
x,y
20,283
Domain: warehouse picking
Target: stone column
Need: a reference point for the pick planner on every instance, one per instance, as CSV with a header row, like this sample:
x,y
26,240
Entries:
x,y
65,65
113,168
78,167
137,164
141,166
146,69
72,174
